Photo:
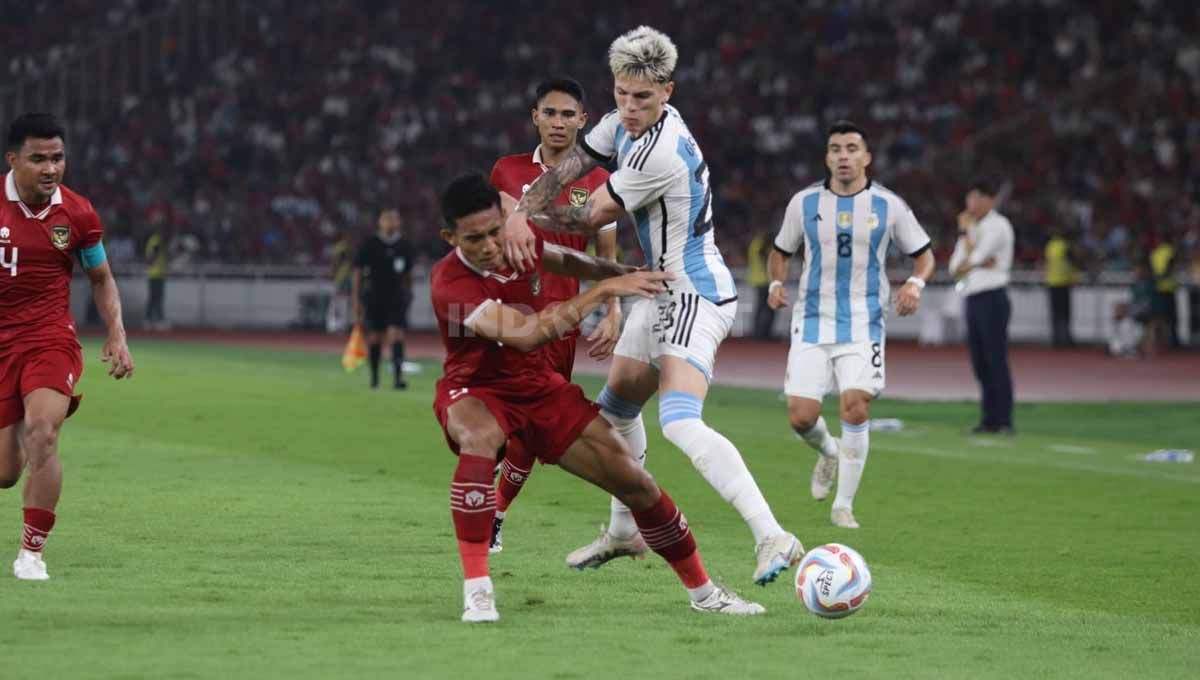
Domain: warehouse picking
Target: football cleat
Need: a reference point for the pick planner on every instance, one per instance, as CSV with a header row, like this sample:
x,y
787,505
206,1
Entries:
x,y
843,517
29,566
775,555
606,548
479,604
822,476
724,601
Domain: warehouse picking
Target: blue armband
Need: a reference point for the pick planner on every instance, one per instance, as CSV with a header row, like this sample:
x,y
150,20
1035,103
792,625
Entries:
x,y
92,256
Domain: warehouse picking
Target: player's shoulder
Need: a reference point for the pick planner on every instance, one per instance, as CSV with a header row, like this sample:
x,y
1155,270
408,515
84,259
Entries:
x,y
878,189
514,160
660,149
805,192
76,204
596,177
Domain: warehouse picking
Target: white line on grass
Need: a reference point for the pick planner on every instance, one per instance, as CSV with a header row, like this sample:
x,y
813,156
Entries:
x,y
1059,464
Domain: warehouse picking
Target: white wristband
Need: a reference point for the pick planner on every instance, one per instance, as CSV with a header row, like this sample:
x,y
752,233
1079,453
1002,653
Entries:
x,y
916,281
774,284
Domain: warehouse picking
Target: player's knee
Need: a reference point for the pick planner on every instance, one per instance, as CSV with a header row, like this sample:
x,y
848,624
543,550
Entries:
x,y
855,413
39,438
803,420
638,491
482,443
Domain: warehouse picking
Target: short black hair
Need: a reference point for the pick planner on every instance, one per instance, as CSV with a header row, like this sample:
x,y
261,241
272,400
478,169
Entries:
x,y
466,195
34,126
568,86
842,127
984,183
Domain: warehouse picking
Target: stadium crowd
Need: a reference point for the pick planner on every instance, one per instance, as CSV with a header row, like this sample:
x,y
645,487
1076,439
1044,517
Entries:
x,y
328,110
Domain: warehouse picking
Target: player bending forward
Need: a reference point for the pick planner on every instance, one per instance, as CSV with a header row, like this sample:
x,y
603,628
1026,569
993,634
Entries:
x,y
670,341
845,225
497,384
44,227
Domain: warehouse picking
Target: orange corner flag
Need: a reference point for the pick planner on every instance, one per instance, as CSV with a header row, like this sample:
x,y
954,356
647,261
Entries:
x,y
356,350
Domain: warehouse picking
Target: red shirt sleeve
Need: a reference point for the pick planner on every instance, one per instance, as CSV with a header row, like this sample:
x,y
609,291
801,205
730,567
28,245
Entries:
x,y
456,294
88,225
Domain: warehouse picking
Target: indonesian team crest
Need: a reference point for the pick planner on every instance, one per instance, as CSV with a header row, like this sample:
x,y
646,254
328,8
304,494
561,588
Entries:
x,y
60,236
578,196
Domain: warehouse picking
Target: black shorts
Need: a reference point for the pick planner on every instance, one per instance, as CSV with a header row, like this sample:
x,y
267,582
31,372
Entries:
x,y
380,314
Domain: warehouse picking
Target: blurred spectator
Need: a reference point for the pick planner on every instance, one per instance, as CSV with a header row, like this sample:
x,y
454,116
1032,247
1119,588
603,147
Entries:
x,y
1061,275
156,278
1162,266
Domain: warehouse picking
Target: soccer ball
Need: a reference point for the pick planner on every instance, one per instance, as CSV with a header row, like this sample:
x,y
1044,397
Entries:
x,y
833,581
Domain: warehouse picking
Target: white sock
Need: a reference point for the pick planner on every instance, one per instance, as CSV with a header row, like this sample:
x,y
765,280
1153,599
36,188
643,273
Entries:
x,y
853,457
698,594
474,583
633,431
718,461
499,515
819,438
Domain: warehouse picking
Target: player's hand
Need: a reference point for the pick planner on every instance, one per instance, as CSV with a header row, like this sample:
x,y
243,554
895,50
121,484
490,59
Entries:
x,y
604,338
520,245
778,297
645,284
908,298
115,353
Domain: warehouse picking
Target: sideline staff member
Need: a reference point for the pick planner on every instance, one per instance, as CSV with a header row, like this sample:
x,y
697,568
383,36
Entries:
x,y
981,263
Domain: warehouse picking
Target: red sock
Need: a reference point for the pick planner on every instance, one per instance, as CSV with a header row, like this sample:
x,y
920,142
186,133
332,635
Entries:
x,y
38,523
514,471
473,506
666,532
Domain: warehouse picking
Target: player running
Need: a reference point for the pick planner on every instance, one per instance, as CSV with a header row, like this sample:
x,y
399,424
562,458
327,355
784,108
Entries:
x,y
845,225
44,228
670,342
558,116
498,385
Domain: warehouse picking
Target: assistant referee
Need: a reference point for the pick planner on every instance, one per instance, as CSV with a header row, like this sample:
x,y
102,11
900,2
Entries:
x,y
381,290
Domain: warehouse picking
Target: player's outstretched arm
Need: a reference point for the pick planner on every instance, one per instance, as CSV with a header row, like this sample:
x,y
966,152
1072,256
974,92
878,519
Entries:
x,y
108,302
526,332
519,242
573,263
599,211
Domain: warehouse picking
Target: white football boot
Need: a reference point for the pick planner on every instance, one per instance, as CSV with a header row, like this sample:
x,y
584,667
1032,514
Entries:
x,y
479,602
822,476
724,601
775,555
843,517
606,548
29,566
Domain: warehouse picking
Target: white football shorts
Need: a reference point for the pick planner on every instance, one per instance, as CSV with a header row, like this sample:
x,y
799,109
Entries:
x,y
683,325
812,369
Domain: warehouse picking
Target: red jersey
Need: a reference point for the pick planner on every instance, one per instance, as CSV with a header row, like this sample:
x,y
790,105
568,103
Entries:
x,y
513,175
459,290
37,252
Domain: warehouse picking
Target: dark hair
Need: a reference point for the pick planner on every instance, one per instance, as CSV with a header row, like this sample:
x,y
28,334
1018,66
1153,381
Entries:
x,y
841,127
35,126
466,195
984,183
567,86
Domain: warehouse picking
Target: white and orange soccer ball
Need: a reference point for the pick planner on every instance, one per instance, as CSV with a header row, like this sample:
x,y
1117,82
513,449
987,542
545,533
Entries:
x,y
833,581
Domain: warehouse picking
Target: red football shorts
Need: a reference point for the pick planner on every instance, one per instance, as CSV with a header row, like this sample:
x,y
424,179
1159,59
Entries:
x,y
23,370
546,425
561,354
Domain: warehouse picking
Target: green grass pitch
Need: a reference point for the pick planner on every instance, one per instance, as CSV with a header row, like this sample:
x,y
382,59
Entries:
x,y
260,514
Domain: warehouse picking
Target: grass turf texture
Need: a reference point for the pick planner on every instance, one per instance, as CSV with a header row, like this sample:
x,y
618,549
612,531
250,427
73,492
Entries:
x,y
249,513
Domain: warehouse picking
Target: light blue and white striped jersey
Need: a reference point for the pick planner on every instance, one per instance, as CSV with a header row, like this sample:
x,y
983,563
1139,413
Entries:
x,y
662,182
844,286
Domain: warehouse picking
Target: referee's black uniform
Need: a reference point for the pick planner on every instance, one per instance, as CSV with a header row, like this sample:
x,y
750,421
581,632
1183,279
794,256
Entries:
x,y
385,267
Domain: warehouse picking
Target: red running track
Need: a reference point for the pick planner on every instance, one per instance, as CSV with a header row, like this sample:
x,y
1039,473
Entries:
x,y
927,373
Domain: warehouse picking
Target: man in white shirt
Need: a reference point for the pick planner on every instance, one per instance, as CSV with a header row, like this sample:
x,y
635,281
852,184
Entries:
x,y
981,263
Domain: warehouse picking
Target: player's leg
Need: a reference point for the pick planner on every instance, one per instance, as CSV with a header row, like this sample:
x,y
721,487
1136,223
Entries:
x,y
632,380
11,460
601,457
805,384
374,326
395,338
860,370
477,434
683,388
514,472
45,411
